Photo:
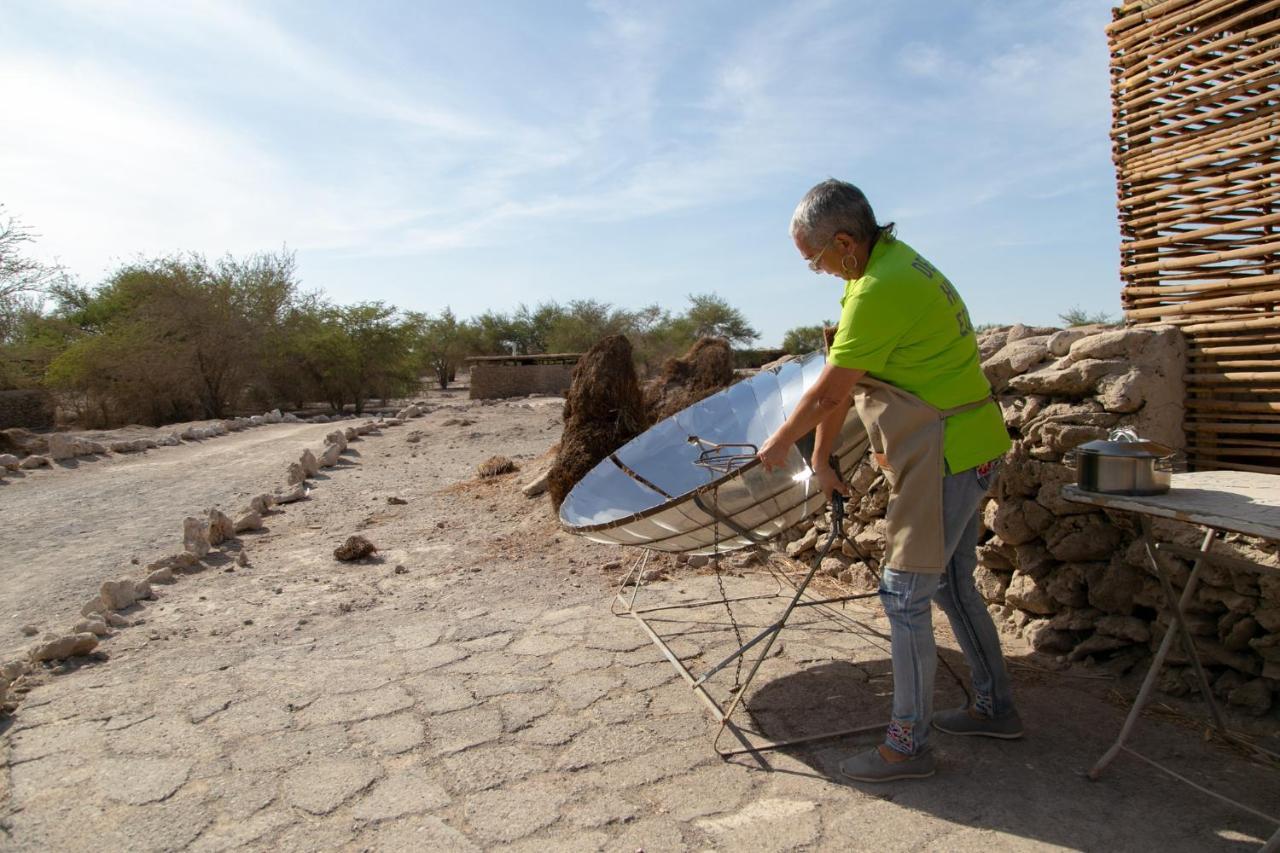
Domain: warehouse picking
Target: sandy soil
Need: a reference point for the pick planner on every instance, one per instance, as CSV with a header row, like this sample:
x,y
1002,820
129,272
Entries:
x,y
468,688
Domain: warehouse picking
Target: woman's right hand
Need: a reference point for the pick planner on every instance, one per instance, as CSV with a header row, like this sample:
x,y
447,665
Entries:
x,y
829,480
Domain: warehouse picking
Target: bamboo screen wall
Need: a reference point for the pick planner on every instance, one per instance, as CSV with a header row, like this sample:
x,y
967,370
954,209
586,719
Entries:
x,y
1196,139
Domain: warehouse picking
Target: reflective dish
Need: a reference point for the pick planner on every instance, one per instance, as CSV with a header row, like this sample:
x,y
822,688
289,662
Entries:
x,y
692,484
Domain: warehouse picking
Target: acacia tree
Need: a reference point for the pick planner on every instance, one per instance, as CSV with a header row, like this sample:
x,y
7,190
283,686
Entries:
x,y
804,339
712,316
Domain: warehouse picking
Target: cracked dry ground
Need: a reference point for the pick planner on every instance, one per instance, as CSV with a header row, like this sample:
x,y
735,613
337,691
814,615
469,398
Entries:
x,y
483,697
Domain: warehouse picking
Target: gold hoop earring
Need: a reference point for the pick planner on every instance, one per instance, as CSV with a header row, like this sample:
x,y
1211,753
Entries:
x,y
844,266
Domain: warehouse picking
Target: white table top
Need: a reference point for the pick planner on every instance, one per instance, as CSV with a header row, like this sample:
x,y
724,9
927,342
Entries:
x,y
1237,501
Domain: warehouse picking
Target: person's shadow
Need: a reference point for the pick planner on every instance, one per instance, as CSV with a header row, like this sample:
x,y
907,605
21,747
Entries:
x,y
1035,788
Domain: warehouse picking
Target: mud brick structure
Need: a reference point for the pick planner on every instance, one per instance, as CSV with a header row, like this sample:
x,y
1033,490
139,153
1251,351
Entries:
x,y
495,377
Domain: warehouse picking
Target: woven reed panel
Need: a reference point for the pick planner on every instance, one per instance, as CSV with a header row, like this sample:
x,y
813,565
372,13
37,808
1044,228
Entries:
x,y
1196,141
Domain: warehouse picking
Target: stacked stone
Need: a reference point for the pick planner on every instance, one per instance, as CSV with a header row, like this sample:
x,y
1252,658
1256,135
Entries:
x,y
1073,580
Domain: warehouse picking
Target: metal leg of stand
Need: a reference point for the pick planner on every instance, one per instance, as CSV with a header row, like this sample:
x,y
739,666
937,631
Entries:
x,y
723,715
1178,627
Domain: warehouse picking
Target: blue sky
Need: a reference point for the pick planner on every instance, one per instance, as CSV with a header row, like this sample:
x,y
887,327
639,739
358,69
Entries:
x,y
485,154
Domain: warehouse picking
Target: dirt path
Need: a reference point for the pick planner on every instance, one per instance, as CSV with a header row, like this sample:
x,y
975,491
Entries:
x,y
468,689
65,530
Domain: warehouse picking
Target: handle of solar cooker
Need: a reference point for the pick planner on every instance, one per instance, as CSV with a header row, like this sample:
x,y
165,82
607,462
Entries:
x,y
724,458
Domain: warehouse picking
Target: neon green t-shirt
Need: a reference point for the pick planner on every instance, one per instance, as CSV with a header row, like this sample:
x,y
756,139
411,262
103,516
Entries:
x,y
904,323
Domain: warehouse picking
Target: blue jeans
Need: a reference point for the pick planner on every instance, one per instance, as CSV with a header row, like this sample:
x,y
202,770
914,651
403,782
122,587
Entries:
x,y
907,598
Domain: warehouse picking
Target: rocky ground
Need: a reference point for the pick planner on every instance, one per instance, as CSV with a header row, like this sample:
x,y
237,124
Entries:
x,y
468,688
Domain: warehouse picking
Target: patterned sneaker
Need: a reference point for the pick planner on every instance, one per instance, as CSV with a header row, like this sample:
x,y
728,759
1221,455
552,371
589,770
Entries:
x,y
962,721
870,766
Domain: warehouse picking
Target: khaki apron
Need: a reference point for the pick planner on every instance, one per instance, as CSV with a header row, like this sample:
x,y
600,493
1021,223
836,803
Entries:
x,y
906,436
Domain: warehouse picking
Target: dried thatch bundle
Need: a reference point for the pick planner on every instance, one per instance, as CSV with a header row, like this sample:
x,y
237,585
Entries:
x,y
496,466
604,410
705,369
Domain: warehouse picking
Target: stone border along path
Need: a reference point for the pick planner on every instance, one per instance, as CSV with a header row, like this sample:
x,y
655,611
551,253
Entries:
x,y
65,446
468,689
101,613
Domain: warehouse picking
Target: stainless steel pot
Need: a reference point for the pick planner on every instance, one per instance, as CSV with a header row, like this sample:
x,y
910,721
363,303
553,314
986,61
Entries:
x,y
1122,464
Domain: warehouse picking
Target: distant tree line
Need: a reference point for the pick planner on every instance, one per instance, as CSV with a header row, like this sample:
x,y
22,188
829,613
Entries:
x,y
181,337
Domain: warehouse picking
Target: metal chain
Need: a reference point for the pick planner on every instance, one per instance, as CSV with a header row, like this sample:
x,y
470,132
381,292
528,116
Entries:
x,y
715,566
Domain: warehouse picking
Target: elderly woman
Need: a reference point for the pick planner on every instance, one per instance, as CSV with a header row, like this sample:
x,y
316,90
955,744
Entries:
x,y
906,355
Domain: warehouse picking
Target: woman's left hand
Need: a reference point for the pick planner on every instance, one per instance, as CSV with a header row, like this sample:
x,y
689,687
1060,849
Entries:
x,y
773,453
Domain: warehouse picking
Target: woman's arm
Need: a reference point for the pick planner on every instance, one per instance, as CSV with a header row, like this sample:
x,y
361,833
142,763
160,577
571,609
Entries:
x,y
829,395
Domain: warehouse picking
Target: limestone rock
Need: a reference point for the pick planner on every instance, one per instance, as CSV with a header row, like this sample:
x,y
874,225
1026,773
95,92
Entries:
x,y
35,462
1006,520
295,474
296,493
220,527
71,645
61,446
804,543
1097,644
1020,331
1024,594
1254,697
195,536
1014,359
1043,637
249,521
1081,538
338,437
1083,619
1034,559
1078,379
330,456
1113,586
537,485
1060,342
161,576
262,504
991,585
1129,628
1068,585
93,606
9,461
1121,392
119,594
309,464
97,627
170,440
350,434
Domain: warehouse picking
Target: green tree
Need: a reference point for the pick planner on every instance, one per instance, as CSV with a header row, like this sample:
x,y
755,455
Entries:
x,y
712,316
1077,316
442,343
804,339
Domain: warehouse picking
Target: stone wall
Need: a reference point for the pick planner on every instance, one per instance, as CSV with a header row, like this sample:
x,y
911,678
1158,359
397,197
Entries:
x,y
27,409
494,381
1070,579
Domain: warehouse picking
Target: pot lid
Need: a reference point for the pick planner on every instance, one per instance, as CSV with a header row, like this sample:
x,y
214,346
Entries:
x,y
1125,442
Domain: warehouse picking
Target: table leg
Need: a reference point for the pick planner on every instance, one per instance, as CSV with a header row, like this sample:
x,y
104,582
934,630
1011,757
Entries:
x,y
1178,626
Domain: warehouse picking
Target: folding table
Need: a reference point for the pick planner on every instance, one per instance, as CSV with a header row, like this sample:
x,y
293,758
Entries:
x,y
1219,502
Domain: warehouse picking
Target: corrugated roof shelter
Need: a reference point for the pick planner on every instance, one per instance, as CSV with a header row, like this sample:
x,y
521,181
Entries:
x,y
1196,141
497,376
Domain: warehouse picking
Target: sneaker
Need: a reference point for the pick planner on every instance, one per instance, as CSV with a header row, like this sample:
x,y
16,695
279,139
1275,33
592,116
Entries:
x,y
870,766
961,721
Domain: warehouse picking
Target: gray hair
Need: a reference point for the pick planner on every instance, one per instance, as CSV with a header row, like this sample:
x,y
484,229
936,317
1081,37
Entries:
x,y
834,207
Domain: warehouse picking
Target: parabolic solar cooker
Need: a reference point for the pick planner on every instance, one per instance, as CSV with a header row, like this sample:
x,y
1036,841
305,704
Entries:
x,y
692,484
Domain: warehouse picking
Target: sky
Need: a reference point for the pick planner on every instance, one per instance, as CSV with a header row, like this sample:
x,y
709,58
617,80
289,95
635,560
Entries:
x,y
482,155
